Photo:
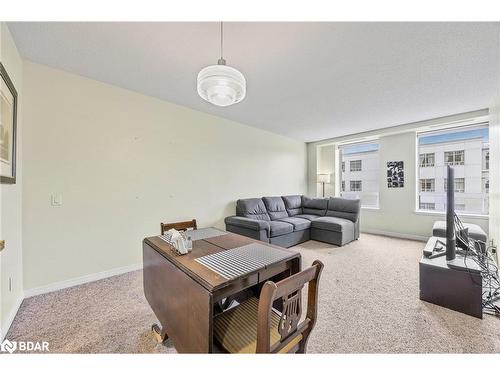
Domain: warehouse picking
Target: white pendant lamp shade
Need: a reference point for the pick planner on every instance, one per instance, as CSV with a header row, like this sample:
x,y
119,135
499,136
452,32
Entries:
x,y
221,85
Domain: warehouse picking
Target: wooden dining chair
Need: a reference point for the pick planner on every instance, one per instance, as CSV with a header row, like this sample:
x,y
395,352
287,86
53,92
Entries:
x,y
255,327
181,225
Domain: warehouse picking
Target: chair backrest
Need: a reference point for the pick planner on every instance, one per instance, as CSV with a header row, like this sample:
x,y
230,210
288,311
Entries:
x,y
289,291
181,225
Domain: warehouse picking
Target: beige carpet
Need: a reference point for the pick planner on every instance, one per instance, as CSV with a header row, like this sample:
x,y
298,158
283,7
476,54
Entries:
x,y
368,304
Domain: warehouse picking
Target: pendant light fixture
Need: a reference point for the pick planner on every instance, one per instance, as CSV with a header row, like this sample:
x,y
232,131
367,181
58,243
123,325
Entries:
x,y
220,84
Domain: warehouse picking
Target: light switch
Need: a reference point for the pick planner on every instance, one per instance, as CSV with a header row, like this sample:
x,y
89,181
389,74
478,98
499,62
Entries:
x,y
56,200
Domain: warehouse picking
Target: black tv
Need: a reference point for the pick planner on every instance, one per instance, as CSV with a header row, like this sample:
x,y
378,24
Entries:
x,y
450,216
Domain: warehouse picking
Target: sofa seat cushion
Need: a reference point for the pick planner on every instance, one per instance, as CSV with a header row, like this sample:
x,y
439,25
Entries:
x,y
309,217
297,222
333,224
475,231
279,228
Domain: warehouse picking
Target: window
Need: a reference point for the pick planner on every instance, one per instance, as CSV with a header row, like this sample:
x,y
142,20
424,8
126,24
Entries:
x,y
454,157
427,206
442,148
427,160
355,185
486,185
358,168
427,185
459,185
355,165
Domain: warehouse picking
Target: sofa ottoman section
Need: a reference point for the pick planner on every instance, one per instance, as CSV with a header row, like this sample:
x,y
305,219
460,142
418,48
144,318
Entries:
x,y
346,209
333,230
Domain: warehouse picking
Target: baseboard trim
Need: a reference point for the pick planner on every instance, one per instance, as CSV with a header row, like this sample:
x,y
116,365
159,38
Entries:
x,y
9,319
405,236
81,280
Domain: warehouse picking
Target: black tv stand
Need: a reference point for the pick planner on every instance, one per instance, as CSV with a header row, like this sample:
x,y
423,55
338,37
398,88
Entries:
x,y
455,284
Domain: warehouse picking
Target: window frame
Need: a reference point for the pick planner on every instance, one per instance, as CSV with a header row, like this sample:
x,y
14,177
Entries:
x,y
454,154
445,185
356,181
423,159
351,162
426,180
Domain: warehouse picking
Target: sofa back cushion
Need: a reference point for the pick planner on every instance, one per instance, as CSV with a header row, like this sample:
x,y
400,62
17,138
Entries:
x,y
314,206
275,207
344,208
253,208
293,204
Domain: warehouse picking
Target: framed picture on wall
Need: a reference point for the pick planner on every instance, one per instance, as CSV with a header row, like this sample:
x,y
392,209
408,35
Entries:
x,y
395,174
8,127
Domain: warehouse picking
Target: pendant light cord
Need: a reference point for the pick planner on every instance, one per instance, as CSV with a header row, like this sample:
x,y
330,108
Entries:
x,y
221,41
221,60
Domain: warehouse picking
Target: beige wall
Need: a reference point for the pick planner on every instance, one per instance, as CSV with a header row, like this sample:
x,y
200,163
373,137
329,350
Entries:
x,y
123,163
10,199
396,214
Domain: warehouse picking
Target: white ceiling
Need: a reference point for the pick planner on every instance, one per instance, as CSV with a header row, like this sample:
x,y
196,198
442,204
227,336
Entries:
x,y
308,81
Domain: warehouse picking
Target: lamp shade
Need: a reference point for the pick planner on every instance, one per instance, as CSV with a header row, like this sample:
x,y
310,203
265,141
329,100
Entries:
x,y
324,178
221,85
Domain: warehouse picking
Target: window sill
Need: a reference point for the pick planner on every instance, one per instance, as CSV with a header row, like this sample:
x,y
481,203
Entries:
x,y
443,214
370,208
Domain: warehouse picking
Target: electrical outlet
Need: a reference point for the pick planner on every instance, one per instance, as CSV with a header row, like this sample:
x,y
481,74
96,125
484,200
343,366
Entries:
x,y
56,200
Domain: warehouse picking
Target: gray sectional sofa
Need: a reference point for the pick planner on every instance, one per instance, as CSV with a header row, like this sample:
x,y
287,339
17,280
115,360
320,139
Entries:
x,y
289,220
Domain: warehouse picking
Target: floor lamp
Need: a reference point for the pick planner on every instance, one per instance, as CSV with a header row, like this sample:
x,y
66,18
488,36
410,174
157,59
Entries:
x,y
324,179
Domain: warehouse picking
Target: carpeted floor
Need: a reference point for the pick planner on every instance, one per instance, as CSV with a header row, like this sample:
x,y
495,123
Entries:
x,y
368,304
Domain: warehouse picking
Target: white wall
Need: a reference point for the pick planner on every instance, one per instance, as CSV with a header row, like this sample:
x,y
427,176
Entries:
x,y
495,170
123,163
396,214
326,159
10,199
